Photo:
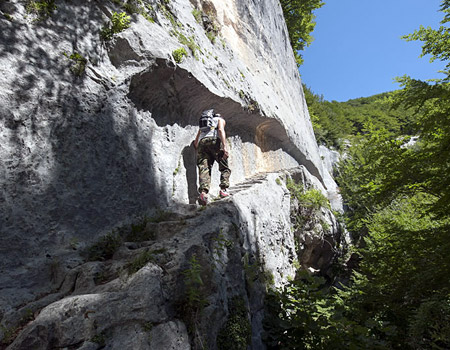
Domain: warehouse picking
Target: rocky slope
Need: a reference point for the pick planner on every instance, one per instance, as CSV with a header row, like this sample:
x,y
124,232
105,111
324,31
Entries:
x,y
174,280
95,134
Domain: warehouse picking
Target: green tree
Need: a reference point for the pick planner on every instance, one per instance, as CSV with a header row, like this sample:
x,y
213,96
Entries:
x,y
367,175
335,121
399,199
299,18
431,101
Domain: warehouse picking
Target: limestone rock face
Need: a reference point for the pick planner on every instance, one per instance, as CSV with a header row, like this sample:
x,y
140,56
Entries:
x,y
235,247
330,158
96,133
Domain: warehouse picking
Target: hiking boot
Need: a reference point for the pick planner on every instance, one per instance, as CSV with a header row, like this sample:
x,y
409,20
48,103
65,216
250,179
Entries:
x,y
223,193
203,198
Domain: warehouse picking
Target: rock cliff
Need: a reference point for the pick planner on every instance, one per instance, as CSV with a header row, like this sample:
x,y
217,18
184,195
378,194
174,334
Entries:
x,y
101,242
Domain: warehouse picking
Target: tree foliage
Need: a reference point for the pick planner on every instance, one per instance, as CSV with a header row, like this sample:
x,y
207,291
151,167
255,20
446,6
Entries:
x,y
299,18
400,199
334,121
436,42
305,315
398,196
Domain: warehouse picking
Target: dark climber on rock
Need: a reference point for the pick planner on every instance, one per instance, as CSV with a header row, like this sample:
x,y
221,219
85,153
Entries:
x,y
211,145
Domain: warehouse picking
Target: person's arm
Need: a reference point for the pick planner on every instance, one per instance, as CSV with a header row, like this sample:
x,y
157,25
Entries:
x,y
196,140
223,137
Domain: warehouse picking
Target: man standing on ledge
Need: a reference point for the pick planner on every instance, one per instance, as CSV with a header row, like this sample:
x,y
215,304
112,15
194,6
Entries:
x,y
211,145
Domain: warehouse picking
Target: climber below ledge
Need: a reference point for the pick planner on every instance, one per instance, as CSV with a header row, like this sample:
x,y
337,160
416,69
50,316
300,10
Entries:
x,y
211,146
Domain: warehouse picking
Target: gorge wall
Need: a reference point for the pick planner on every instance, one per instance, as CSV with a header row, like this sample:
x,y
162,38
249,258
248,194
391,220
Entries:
x,y
89,146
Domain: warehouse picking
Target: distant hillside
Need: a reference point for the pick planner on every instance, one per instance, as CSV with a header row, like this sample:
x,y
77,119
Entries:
x,y
334,121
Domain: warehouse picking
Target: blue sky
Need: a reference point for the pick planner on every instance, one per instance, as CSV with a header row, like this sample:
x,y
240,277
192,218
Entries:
x,y
357,51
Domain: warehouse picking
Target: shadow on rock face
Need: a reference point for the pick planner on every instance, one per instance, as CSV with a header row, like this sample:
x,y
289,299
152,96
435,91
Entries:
x,y
174,96
189,161
77,159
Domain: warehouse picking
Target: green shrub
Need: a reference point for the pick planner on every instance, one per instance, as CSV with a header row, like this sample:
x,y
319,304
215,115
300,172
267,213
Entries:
x,y
314,199
137,6
194,283
105,247
119,22
100,339
148,17
211,36
311,199
79,63
191,305
9,334
166,12
42,9
140,261
178,54
237,331
8,16
189,42
430,325
197,15
306,315
138,231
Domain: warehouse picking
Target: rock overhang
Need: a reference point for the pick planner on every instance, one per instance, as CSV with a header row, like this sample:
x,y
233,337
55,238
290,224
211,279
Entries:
x,y
250,66
173,95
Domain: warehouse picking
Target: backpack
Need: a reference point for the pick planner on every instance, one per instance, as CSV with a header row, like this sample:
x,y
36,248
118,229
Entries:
x,y
206,120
